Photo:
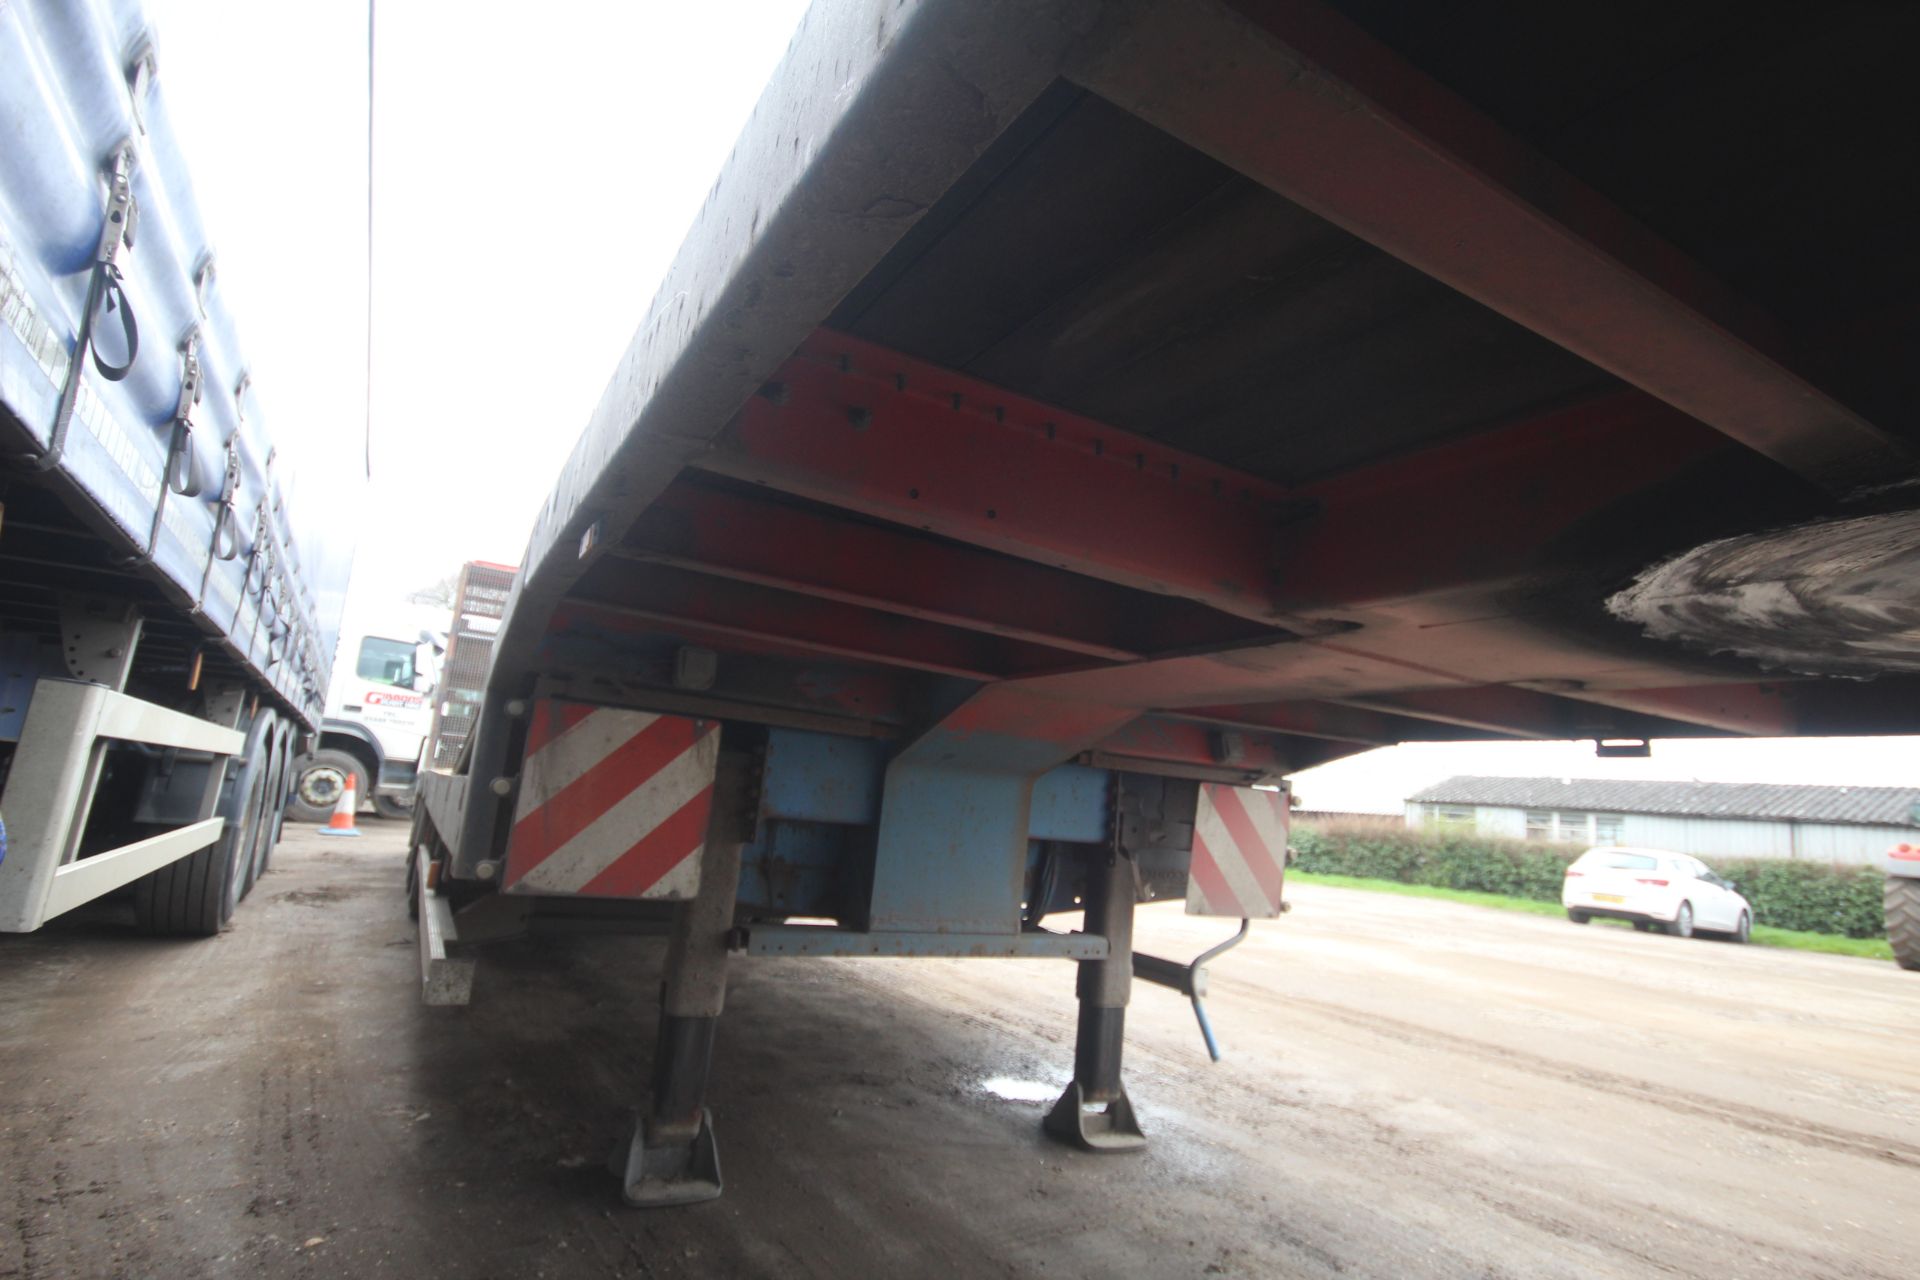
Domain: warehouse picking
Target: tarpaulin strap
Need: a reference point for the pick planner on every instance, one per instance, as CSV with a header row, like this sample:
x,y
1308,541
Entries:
x,y
104,292
253,558
178,472
226,530
181,477
111,298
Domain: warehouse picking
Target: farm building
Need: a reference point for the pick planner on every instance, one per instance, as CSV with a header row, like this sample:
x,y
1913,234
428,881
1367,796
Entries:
x,y
1706,819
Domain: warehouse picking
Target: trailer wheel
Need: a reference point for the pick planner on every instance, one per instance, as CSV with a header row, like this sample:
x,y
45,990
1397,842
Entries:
x,y
1903,920
277,785
260,847
318,781
196,895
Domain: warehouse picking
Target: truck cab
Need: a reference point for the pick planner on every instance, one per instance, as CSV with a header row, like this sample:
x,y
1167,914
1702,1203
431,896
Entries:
x,y
379,710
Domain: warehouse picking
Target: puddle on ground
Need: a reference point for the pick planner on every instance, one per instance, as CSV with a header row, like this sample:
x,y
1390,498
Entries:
x,y
1020,1090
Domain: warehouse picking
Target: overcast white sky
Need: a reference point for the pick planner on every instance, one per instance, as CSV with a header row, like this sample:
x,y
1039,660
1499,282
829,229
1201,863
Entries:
x,y
536,168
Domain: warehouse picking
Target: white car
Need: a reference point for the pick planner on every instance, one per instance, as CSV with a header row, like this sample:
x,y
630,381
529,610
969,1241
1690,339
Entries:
x,y
1655,889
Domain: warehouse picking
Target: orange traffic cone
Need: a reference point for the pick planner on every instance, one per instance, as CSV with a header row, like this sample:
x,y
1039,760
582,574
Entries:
x,y
341,823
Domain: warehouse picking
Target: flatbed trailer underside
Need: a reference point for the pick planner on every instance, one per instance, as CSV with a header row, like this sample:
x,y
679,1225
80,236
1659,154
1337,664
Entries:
x,y
1206,390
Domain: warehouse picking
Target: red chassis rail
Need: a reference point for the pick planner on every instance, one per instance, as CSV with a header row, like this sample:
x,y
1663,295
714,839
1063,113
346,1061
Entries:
x,y
872,509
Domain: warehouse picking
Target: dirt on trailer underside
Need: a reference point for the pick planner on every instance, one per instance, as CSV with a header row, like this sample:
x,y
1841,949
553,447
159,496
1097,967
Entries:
x,y
1413,1088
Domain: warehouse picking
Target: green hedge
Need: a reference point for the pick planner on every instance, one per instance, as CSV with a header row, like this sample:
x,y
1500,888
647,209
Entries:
x,y
1817,897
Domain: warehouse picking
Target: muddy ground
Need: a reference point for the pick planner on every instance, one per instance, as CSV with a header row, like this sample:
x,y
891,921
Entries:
x,y
1412,1089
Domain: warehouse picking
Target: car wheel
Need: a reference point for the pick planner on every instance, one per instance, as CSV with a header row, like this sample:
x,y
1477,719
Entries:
x,y
1682,926
1578,917
1743,930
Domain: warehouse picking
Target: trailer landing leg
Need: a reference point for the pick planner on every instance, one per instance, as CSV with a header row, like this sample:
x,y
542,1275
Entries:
x,y
671,1158
1094,1112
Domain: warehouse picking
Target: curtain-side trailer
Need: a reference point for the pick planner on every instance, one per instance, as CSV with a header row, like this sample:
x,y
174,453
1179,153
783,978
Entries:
x,y
168,594
1064,417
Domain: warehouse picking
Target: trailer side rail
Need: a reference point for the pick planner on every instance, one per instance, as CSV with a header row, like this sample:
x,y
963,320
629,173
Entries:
x,y
51,789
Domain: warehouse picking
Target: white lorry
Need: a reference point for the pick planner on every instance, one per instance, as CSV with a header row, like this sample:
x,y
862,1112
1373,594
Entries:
x,y
379,709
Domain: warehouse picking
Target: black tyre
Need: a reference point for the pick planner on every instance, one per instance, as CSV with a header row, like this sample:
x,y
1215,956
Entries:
x,y
394,808
265,829
1578,917
1682,926
1743,930
195,896
1903,920
413,882
278,786
317,782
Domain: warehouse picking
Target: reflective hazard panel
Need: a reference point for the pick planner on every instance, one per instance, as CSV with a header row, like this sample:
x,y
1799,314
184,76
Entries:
x,y
613,803
1239,852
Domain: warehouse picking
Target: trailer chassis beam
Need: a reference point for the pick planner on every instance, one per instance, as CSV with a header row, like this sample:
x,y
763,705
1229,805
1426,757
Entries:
x,y
49,794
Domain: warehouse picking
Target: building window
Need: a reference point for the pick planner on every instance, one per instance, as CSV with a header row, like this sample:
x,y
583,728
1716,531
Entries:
x,y
1571,828
1606,828
1450,815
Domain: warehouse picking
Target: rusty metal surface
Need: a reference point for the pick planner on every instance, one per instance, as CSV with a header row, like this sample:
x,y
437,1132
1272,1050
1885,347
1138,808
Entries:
x,y
1214,389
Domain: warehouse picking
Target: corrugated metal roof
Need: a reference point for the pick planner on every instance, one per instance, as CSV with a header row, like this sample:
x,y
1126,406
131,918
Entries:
x,y
1765,801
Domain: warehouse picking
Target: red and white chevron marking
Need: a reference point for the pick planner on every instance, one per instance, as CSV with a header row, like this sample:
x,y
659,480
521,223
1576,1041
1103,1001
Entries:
x,y
613,803
1239,852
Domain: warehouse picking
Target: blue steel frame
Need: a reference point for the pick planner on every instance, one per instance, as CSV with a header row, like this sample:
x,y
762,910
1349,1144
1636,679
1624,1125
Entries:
x,y
823,811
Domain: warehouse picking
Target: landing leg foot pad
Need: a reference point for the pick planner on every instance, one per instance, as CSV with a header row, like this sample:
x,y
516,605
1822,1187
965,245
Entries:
x,y
1093,1127
663,1173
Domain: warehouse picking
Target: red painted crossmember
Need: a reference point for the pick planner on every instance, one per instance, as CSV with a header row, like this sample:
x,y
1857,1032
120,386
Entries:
x,y
1239,852
613,803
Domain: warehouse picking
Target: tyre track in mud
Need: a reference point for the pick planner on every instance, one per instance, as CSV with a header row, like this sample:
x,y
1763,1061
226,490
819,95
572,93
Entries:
x,y
1344,1134
1383,1123
1746,1118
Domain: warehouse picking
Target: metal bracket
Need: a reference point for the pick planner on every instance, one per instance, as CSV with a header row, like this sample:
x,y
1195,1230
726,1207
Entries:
x,y
123,214
181,445
1190,980
1112,1127
142,69
98,636
117,228
666,1172
203,278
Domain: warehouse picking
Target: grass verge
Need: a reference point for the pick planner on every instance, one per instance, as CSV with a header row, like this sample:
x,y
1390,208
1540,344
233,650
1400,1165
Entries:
x,y
1764,935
